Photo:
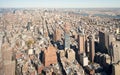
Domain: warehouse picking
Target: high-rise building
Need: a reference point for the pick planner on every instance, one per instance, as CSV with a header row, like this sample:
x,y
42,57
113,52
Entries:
x,y
67,27
1,58
9,62
118,29
45,32
116,69
50,56
83,59
67,36
29,25
116,51
67,41
92,48
9,67
103,41
110,40
57,34
118,33
81,43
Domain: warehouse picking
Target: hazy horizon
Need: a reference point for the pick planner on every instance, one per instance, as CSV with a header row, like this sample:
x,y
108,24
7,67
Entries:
x,y
59,3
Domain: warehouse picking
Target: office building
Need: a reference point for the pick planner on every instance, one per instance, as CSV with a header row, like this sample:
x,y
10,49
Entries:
x,y
67,36
57,34
1,56
103,41
116,69
67,41
81,43
83,59
115,51
92,48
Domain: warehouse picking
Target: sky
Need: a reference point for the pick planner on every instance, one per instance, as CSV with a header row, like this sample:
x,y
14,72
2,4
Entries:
x,y
60,3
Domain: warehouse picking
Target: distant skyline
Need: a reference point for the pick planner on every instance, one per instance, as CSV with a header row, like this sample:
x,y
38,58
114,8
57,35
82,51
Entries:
x,y
59,3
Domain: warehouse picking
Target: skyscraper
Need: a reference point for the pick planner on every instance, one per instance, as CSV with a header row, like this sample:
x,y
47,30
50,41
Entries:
x,y
92,48
118,33
67,41
81,43
103,41
57,34
1,58
67,36
29,25
116,51
111,38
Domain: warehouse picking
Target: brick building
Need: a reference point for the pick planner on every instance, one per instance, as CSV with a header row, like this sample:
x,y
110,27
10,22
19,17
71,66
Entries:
x,y
49,56
57,34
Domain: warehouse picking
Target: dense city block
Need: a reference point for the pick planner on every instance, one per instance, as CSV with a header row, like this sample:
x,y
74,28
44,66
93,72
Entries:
x,y
58,41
